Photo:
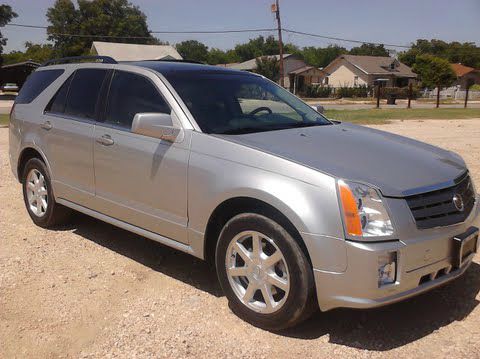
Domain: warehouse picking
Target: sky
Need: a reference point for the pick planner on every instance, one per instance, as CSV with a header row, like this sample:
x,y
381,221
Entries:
x,y
385,21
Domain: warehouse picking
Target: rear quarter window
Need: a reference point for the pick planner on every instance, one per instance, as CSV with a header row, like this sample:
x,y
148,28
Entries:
x,y
35,84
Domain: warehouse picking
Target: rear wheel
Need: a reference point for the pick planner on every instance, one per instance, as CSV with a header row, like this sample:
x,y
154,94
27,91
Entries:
x,y
264,272
38,196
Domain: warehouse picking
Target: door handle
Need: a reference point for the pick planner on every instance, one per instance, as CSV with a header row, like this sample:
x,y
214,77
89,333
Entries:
x,y
106,140
47,125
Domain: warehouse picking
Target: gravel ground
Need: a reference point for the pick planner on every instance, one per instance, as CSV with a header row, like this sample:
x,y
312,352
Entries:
x,y
92,290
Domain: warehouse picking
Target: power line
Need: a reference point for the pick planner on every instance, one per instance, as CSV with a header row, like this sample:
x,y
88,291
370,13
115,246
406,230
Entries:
x,y
152,32
345,40
214,32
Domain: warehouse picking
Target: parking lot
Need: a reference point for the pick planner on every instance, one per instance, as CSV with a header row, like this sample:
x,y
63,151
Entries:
x,y
92,290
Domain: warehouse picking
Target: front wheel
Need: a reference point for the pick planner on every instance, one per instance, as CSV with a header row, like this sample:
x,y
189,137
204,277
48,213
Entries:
x,y
264,272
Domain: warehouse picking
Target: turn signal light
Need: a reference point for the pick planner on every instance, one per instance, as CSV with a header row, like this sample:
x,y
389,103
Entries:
x,y
350,210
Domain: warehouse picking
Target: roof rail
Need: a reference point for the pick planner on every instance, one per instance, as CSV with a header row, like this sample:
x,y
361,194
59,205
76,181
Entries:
x,y
169,60
73,59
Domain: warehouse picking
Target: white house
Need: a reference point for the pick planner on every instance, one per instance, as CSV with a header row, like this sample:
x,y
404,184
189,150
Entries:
x,y
353,70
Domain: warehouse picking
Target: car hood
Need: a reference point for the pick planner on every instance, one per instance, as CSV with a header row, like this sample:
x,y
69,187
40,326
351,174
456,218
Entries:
x,y
396,165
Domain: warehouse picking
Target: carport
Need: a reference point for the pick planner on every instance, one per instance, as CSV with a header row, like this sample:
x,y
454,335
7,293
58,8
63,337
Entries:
x,y
17,73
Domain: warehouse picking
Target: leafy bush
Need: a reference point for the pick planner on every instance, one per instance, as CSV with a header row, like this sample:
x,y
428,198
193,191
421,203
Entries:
x,y
317,91
475,87
357,91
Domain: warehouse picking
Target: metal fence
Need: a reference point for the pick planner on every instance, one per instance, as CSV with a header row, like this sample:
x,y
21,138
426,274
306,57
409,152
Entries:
x,y
453,93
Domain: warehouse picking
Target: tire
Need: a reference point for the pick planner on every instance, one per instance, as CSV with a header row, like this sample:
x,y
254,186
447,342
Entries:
x,y
54,214
289,304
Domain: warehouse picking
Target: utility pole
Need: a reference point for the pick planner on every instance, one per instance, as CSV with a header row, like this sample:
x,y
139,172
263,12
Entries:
x,y
276,9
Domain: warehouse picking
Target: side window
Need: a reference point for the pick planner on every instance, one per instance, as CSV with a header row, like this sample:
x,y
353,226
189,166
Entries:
x,y
35,84
131,94
83,94
57,103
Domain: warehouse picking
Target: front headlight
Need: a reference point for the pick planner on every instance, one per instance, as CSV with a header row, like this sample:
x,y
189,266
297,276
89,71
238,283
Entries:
x,y
364,215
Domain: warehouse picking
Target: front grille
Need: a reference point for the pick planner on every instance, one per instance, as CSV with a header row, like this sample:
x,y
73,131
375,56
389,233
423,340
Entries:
x,y
437,208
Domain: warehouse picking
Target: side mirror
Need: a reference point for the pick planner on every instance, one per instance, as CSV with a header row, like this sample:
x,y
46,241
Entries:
x,y
318,108
158,125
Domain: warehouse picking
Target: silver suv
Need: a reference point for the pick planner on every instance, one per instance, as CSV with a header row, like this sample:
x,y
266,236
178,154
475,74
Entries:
x,y
296,211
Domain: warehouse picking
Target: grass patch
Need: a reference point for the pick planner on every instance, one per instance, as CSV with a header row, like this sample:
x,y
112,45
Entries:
x,y
4,120
381,116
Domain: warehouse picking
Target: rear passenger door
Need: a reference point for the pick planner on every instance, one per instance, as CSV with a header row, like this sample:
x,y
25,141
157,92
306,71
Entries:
x,y
70,117
139,179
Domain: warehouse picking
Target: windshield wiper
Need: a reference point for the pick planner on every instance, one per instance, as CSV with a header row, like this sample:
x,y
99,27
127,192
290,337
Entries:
x,y
242,130
303,124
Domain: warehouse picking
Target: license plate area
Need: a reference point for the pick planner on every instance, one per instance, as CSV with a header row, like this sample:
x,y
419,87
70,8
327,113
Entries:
x,y
465,246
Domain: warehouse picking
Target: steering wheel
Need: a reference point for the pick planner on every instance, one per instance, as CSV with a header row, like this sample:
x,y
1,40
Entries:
x,y
260,109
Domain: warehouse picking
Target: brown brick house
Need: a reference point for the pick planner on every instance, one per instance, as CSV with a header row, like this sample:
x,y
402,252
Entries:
x,y
465,75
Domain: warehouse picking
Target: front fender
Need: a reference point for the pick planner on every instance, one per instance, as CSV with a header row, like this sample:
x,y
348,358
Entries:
x,y
312,208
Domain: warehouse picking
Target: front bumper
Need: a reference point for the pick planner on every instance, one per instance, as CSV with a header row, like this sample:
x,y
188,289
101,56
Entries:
x,y
423,263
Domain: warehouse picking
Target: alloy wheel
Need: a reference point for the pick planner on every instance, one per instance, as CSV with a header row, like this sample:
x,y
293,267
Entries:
x,y
37,194
257,272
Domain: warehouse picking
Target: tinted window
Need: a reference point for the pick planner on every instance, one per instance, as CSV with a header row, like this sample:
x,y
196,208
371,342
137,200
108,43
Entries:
x,y
57,103
83,93
131,94
35,84
231,103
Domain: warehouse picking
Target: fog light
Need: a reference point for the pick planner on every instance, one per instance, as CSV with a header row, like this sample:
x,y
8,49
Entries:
x,y
387,268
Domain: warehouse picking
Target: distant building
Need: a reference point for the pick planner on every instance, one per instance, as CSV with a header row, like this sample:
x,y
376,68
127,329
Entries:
x,y
465,75
17,73
296,73
134,52
353,70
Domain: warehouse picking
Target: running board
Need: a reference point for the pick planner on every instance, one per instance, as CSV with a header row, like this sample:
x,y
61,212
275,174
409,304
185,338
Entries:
x,y
128,227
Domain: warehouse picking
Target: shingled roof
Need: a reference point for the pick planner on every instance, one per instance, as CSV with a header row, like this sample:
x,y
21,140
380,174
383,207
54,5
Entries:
x,y
376,65
461,70
252,63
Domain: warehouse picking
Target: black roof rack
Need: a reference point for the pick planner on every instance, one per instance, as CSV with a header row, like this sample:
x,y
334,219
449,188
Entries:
x,y
66,60
168,60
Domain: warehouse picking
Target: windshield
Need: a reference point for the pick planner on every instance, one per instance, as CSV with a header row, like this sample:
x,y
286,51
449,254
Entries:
x,y
229,103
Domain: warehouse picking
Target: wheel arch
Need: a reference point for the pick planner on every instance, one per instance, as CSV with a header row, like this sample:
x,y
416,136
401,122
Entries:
x,y
27,153
244,204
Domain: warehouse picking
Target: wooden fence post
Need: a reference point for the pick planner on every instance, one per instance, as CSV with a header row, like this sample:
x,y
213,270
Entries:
x,y
438,96
410,90
378,95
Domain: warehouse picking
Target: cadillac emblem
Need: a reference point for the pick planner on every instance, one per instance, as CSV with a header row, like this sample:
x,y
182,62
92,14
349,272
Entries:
x,y
458,202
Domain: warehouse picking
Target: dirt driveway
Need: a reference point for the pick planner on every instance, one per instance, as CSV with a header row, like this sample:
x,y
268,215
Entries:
x,y
92,290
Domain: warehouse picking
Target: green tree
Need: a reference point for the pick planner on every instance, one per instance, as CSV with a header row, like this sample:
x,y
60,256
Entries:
x,y
218,56
369,50
269,67
35,52
466,53
6,15
434,72
261,46
107,18
321,57
193,50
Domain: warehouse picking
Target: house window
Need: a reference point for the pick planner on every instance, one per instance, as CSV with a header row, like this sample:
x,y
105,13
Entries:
x,y
326,81
355,81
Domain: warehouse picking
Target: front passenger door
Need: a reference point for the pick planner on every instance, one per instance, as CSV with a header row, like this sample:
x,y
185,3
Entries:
x,y
139,179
